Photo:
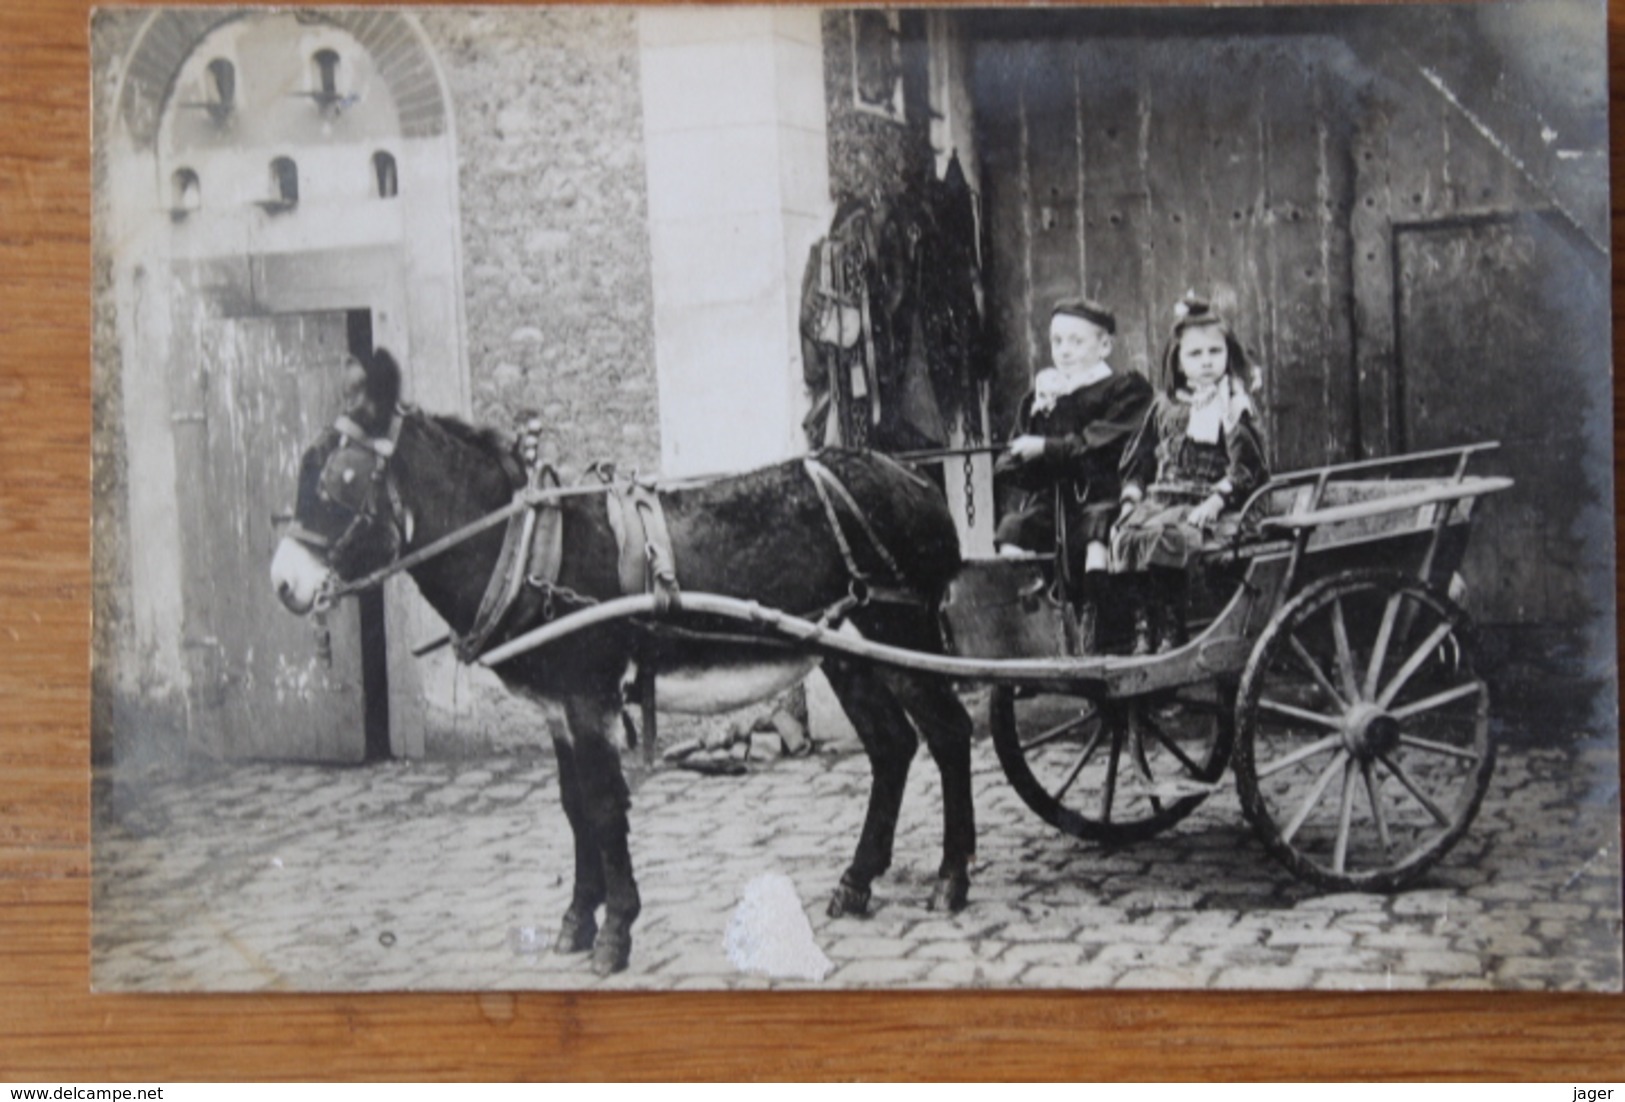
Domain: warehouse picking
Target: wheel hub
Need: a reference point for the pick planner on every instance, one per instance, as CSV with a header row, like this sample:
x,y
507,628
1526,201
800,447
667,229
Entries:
x,y
1370,731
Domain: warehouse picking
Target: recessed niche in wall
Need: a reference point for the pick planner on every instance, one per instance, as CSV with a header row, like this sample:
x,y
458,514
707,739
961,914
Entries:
x,y
325,77
284,185
185,193
222,84
219,90
877,63
386,175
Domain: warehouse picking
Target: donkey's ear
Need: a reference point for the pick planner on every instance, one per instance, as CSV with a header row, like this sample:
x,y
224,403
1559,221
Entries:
x,y
383,382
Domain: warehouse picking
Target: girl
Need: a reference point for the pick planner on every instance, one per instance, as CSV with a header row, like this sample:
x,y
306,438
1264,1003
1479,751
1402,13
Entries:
x,y
1197,454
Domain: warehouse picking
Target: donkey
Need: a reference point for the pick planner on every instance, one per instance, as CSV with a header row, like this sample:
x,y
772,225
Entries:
x,y
387,481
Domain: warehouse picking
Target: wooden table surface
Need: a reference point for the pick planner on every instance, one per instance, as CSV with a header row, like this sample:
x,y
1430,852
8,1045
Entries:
x,y
52,1030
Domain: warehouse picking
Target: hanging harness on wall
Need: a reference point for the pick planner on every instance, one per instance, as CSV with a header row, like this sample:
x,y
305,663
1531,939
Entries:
x,y
839,358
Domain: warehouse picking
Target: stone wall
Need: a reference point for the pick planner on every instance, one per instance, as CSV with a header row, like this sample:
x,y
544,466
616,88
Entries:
x,y
556,303
554,223
115,696
872,157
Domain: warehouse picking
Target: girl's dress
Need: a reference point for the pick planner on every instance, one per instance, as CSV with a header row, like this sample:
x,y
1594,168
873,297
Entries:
x,y
1187,448
1086,423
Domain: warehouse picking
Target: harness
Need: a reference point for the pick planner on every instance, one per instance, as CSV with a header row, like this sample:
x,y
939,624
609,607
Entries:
x,y
645,563
357,477
860,589
533,550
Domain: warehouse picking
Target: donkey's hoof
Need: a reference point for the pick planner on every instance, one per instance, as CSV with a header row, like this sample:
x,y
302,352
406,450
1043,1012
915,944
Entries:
x,y
951,894
576,933
848,900
611,955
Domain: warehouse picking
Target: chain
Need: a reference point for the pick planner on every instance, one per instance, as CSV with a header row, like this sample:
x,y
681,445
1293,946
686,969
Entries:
x,y
970,494
972,431
552,591
859,421
324,638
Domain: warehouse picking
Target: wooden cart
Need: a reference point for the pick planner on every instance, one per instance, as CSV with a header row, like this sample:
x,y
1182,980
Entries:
x,y
1329,661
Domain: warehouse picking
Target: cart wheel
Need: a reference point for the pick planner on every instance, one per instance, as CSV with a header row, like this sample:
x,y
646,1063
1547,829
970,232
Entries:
x,y
1114,771
1360,696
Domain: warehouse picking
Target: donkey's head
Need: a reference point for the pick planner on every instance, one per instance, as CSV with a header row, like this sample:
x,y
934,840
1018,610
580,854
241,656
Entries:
x,y
348,519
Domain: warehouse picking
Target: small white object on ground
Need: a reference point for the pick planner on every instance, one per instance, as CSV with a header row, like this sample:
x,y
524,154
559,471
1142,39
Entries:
x,y
769,934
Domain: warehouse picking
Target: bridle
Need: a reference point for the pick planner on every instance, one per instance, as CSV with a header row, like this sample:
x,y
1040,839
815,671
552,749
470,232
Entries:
x,y
356,478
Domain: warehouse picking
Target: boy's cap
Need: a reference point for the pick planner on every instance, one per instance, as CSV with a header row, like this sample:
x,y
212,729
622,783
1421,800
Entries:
x,y
1089,310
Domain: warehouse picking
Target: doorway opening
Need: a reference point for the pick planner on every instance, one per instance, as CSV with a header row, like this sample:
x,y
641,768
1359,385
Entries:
x,y
374,653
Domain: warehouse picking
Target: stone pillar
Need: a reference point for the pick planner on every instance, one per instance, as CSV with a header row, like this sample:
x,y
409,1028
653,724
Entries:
x,y
738,162
738,175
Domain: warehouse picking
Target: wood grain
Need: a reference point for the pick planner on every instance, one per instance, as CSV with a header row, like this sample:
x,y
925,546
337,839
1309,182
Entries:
x,y
52,1029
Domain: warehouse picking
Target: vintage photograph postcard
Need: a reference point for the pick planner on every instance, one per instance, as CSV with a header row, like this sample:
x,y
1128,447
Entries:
x,y
777,497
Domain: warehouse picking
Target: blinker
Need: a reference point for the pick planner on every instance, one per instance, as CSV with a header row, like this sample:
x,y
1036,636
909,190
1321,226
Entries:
x,y
348,476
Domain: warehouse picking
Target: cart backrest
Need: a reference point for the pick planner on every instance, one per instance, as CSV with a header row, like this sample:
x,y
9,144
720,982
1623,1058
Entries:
x,y
1345,510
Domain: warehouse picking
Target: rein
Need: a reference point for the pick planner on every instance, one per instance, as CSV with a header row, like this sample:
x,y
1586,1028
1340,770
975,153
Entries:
x,y
528,498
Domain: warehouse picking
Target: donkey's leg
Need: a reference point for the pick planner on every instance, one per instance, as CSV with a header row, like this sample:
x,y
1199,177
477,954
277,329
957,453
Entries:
x,y
580,924
593,726
946,726
890,742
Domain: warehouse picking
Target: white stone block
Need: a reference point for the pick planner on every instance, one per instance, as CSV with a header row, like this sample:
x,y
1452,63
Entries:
x,y
802,191
798,81
721,394
704,173
728,258
798,24
675,25
708,84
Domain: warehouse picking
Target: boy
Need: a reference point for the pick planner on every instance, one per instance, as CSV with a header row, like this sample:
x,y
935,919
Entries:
x,y
1068,446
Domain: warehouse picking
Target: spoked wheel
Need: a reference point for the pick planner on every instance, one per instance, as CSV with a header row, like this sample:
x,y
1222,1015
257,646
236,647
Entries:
x,y
1364,746
1117,771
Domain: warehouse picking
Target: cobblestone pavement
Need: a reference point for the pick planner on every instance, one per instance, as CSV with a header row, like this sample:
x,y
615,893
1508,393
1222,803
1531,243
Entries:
x,y
452,875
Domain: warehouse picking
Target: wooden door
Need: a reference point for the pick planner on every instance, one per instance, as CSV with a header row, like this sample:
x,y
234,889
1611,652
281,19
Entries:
x,y
1135,169
249,394
1502,336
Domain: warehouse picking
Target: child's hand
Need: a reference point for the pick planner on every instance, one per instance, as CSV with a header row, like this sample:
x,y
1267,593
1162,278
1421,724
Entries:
x,y
1207,512
1027,448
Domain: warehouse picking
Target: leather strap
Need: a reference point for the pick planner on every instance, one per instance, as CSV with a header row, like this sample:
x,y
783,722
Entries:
x,y
660,563
825,482
546,546
531,549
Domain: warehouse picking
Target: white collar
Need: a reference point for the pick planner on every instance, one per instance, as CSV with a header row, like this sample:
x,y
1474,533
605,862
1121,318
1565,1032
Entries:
x,y
1052,383
1221,406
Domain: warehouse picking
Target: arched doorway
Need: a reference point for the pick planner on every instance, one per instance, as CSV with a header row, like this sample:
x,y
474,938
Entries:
x,y
283,189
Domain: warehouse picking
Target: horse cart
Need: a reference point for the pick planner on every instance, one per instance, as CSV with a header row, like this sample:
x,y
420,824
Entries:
x,y
1328,658
1328,664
